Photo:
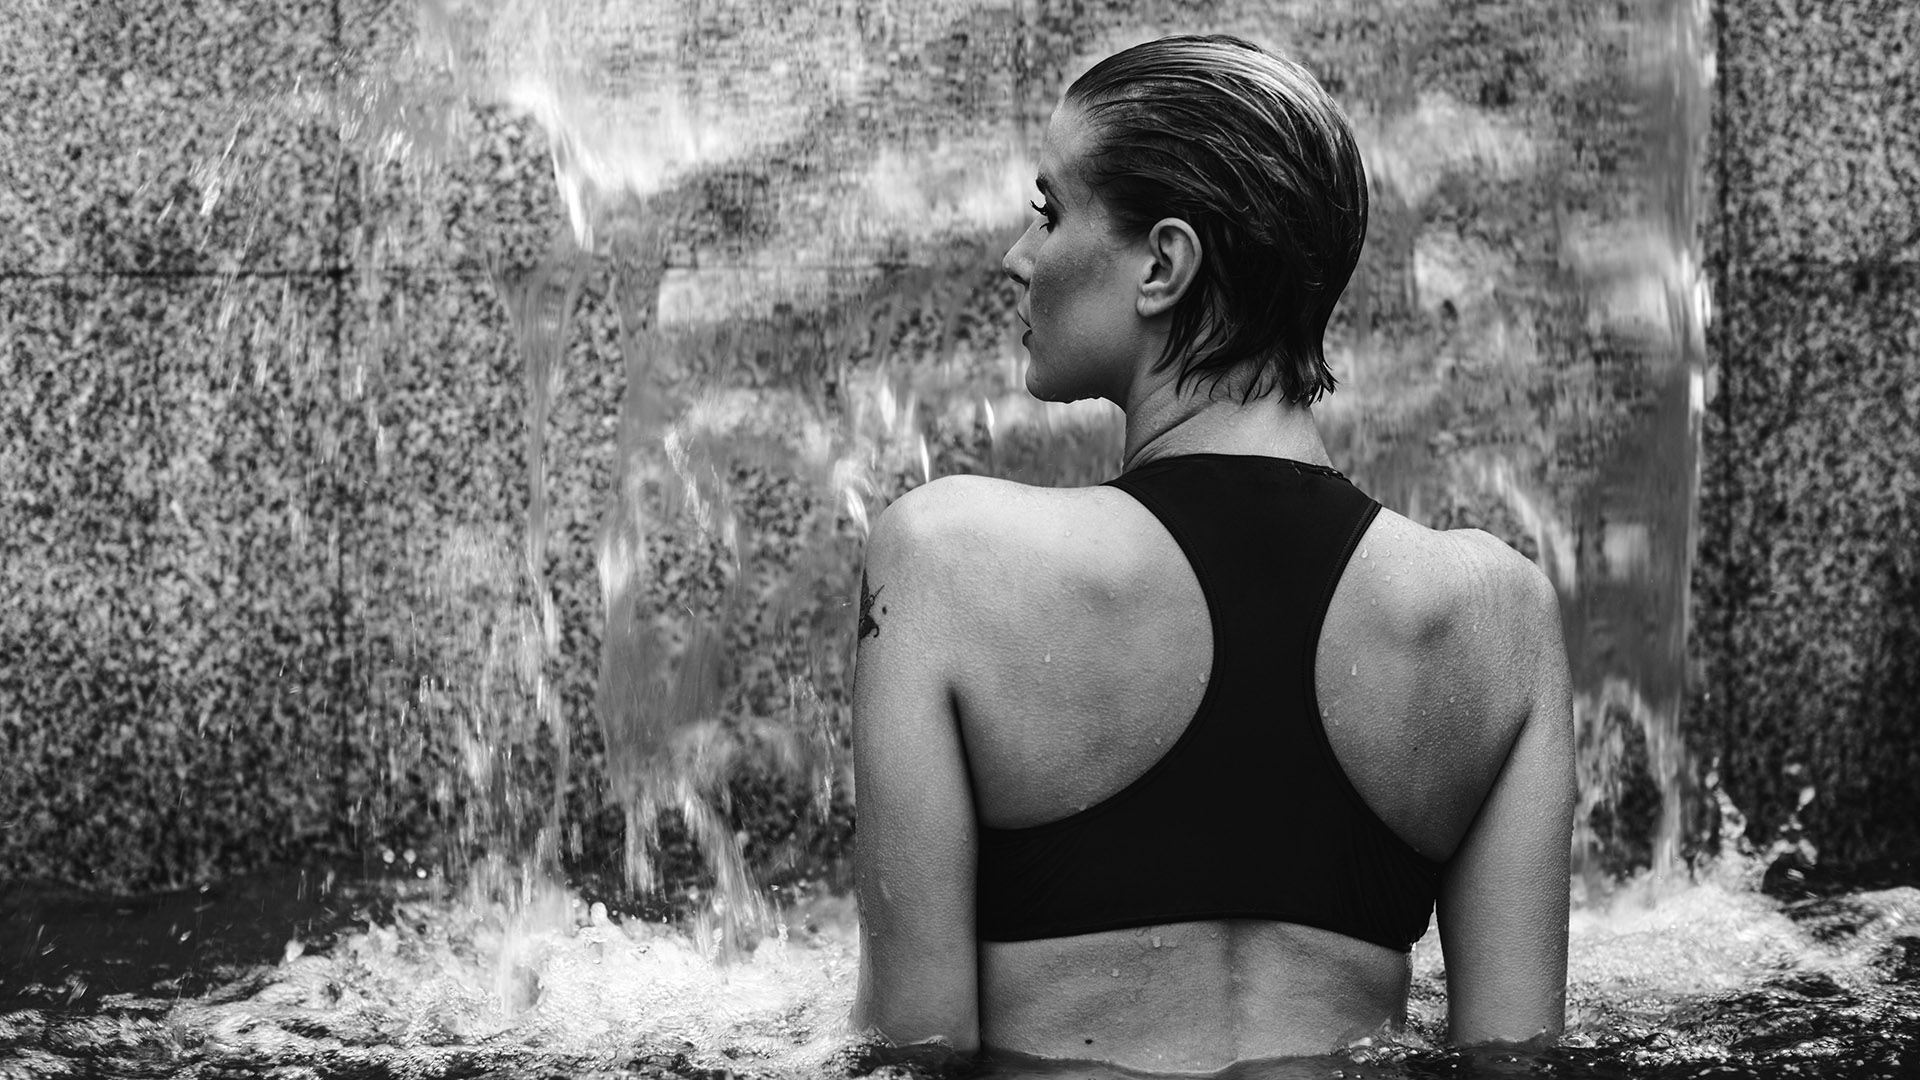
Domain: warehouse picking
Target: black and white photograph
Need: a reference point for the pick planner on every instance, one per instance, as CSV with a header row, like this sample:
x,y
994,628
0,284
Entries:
x,y
959,539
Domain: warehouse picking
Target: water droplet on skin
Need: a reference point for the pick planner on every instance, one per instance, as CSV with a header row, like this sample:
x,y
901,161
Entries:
x,y
1363,553
1048,659
1115,973
1156,941
1356,669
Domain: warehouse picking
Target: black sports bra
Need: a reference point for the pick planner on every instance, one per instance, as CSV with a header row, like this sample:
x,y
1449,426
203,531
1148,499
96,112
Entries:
x,y
1249,815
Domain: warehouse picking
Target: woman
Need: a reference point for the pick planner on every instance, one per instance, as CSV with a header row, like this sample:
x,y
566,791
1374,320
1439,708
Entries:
x,y
1170,772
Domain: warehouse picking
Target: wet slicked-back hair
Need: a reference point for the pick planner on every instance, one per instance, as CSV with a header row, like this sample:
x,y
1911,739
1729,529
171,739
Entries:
x,y
1250,150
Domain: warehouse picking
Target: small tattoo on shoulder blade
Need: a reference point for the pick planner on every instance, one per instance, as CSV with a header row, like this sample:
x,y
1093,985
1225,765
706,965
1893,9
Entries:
x,y
868,625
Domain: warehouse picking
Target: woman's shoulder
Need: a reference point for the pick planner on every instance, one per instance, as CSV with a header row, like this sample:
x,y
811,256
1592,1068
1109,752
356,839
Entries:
x,y
960,498
988,517
1448,608
1450,583
1429,666
985,537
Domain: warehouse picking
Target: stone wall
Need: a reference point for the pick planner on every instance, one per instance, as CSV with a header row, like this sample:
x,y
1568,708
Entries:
x,y
265,413
263,410
1807,588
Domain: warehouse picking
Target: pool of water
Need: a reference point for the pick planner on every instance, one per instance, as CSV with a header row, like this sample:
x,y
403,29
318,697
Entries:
x,y
399,973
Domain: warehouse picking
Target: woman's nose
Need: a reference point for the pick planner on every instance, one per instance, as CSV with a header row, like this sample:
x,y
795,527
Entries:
x,y
1017,263
1008,266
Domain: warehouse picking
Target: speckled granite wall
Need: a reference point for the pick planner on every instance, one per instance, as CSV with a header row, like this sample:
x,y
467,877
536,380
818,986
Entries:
x,y
262,409
263,415
1807,590
159,329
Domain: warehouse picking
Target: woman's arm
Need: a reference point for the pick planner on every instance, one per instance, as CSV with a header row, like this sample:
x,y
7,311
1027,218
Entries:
x,y
1503,896
915,833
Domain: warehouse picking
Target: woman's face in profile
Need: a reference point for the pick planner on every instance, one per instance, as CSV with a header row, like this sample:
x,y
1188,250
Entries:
x,y
1080,279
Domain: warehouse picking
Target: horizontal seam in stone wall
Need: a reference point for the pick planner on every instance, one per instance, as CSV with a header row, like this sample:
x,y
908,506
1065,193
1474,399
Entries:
x,y
334,273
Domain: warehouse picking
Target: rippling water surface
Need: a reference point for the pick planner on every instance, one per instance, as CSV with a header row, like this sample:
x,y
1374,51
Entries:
x,y
402,976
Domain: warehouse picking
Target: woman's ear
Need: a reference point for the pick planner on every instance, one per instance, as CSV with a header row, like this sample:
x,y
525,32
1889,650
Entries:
x,y
1174,249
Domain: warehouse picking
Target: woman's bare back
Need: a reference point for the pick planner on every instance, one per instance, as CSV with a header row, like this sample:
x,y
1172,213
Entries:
x,y
1088,661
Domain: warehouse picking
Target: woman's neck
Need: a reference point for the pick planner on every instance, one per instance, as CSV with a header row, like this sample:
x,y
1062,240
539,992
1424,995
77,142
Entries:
x,y
1164,424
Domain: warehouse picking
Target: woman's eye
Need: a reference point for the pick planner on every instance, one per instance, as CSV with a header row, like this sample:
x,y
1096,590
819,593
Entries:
x,y
1046,214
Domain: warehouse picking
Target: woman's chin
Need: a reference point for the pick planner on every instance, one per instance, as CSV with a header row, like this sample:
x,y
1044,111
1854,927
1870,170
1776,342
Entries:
x,y
1036,385
1059,395
1046,389
1066,383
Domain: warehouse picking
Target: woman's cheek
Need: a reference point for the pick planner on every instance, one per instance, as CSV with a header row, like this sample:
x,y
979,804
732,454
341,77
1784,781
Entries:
x,y
1041,294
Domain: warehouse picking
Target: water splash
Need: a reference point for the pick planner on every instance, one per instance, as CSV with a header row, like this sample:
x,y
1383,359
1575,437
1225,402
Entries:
x,y
1664,974
483,649
1607,722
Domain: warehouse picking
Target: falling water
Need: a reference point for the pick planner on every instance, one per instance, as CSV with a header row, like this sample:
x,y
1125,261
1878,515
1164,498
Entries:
x,y
626,125
637,100
1635,617
540,306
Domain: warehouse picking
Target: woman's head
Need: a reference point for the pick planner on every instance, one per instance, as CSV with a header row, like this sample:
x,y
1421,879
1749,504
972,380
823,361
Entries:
x,y
1258,161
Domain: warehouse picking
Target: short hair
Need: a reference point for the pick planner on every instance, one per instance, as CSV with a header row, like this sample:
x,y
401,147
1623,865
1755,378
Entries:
x,y
1249,149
